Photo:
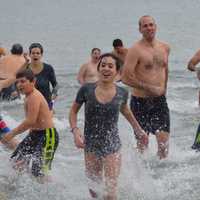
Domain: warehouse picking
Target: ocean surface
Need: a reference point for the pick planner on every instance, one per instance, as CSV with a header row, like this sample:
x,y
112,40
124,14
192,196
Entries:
x,y
68,30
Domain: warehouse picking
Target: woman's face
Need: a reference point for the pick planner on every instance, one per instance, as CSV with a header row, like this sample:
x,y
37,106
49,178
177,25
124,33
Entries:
x,y
107,69
35,55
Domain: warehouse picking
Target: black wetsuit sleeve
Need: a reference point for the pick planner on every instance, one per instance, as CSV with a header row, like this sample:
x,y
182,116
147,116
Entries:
x,y
53,81
81,95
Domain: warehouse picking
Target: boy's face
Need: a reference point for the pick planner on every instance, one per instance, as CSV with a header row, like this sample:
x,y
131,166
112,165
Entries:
x,y
24,85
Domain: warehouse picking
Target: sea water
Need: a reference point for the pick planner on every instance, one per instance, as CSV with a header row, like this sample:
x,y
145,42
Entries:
x,y
68,30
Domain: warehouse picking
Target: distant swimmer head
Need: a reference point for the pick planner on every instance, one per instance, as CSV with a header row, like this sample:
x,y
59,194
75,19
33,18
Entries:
x,y
17,49
36,52
118,45
95,53
36,45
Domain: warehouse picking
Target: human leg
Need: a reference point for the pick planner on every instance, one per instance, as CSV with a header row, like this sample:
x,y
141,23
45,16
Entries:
x,y
43,154
160,124
139,107
112,165
163,144
94,172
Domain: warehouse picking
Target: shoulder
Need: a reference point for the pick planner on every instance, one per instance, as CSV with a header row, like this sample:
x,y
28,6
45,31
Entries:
x,y
34,98
85,65
88,86
164,45
48,67
135,48
122,90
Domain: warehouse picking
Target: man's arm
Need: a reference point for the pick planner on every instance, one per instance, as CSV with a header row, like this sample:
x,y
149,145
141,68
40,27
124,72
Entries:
x,y
167,68
128,70
138,131
194,61
81,74
32,112
129,76
7,82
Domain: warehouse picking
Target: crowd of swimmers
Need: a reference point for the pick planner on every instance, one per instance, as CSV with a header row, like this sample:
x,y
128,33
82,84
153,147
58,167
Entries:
x,y
143,67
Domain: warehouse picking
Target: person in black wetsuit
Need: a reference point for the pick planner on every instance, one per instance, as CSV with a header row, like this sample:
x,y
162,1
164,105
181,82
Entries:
x,y
44,73
103,101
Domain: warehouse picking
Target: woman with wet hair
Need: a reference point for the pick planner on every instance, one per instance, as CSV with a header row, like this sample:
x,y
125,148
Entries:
x,y
103,101
44,73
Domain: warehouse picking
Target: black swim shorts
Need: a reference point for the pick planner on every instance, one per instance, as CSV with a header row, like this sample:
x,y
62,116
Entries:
x,y
152,113
38,147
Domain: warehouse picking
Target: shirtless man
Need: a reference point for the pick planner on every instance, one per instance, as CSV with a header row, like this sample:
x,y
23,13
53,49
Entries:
x,y
88,71
146,71
119,50
9,65
193,68
40,144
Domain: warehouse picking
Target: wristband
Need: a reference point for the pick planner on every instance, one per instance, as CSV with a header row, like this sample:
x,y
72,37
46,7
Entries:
x,y
72,130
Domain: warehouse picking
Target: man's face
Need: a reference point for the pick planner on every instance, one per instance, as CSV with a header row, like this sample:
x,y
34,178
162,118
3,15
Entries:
x,y
119,49
24,85
147,27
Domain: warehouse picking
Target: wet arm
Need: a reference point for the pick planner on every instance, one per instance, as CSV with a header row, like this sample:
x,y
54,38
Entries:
x,y
26,63
6,83
81,75
130,78
131,119
194,61
53,82
31,116
78,136
128,70
73,115
167,69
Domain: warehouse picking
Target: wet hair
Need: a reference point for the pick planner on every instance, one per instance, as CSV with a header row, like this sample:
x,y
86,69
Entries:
x,y
94,49
117,43
139,22
26,73
117,61
36,45
17,49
